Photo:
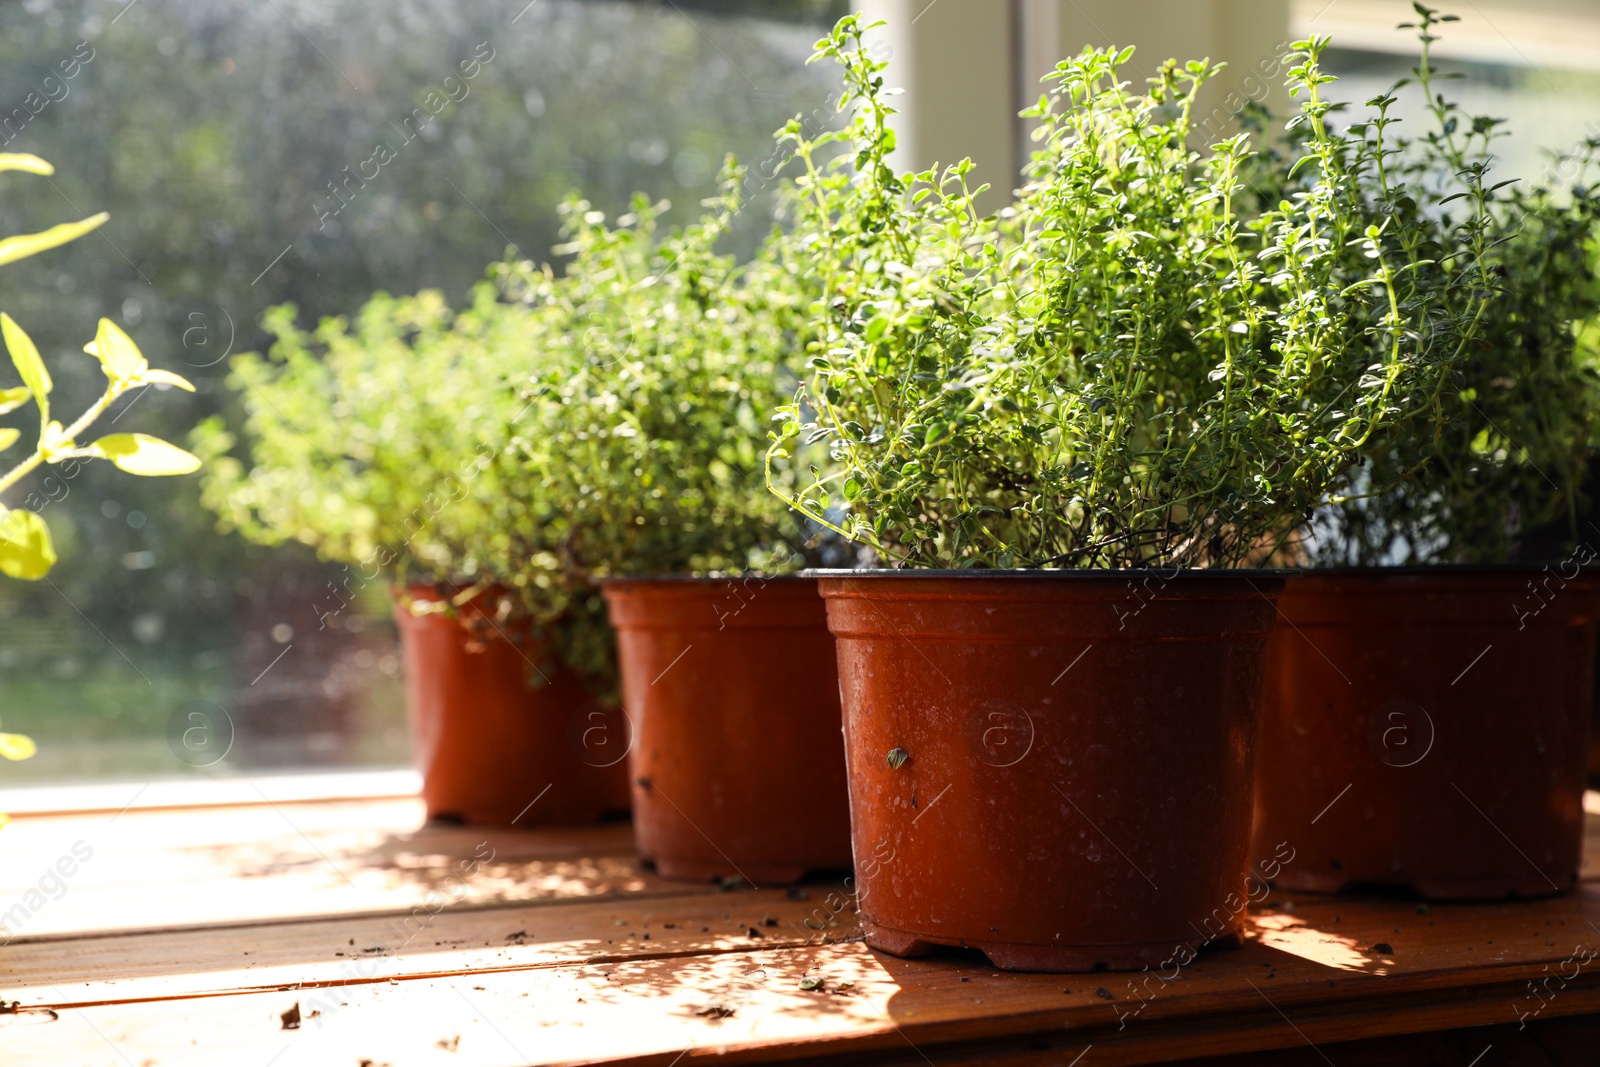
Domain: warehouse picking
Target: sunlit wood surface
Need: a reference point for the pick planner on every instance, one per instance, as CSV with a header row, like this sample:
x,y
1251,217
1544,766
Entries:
x,y
188,936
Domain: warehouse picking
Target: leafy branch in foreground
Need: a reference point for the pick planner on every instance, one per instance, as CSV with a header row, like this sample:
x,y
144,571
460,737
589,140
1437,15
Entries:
x,y
1125,367
26,550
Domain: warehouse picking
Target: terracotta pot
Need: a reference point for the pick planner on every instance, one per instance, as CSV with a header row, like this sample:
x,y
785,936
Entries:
x,y
731,689
1427,727
1594,731
1074,749
491,748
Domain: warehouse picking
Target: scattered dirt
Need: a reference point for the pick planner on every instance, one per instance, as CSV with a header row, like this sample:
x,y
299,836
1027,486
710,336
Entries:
x,y
291,1018
12,1013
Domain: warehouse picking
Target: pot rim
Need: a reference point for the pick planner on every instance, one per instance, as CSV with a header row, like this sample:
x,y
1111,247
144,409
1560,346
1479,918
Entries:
x,y
696,579
1436,569
1079,573
398,584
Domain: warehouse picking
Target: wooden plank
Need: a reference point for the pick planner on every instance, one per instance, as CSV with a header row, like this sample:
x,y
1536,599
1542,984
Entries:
x,y
747,1008
569,989
351,951
146,870
1310,937
1457,965
112,797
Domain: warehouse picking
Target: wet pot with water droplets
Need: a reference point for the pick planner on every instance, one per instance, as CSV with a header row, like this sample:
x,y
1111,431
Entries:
x,y
1070,780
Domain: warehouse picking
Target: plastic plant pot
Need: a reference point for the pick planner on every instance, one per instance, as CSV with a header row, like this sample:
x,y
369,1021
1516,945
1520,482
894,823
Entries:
x,y
1427,727
492,748
1051,767
733,696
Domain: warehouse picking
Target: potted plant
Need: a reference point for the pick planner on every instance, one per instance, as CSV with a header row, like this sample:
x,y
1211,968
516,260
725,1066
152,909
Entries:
x,y
1068,427
636,470
1436,679
375,442
26,549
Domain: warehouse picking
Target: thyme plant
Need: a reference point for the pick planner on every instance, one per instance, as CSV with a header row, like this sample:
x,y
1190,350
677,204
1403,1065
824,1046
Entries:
x,y
374,440
1138,362
605,420
1510,443
640,450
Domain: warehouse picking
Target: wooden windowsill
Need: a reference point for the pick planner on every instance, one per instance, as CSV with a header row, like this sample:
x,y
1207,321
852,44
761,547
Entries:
x,y
176,793
184,936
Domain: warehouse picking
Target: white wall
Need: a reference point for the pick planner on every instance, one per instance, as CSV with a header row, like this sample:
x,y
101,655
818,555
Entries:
x,y
1537,34
953,58
968,66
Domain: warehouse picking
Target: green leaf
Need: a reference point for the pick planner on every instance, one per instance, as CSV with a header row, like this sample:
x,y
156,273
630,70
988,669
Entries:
x,y
155,375
897,758
25,548
8,437
15,747
139,453
119,357
28,244
24,161
12,399
28,363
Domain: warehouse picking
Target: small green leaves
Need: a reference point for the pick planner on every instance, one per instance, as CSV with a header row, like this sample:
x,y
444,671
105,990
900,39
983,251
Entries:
x,y
26,359
139,453
156,376
119,357
25,245
24,161
15,747
1155,354
897,758
26,551
811,983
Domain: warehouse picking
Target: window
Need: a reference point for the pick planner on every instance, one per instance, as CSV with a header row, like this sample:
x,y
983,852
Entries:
x,y
1536,65
313,152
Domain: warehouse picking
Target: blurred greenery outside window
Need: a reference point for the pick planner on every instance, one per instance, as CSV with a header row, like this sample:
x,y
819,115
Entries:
x,y
312,151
